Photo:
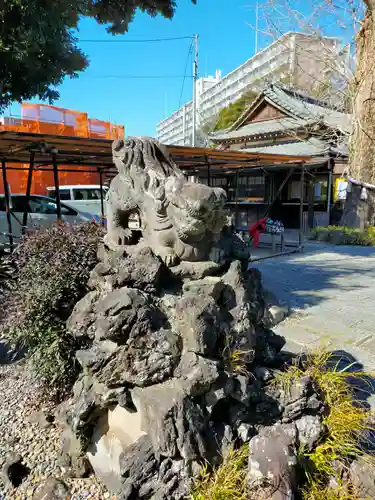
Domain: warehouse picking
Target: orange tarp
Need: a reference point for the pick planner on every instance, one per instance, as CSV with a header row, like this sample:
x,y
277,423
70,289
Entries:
x,y
45,119
17,179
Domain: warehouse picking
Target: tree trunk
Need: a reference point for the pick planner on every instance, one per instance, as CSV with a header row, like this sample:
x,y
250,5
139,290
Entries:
x,y
362,141
358,212
362,144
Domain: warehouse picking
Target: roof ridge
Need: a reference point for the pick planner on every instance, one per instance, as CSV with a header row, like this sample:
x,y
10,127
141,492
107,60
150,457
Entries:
x,y
246,112
284,124
271,93
300,95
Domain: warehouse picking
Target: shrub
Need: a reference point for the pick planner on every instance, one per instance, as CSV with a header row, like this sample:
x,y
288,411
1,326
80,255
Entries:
x,y
341,235
6,279
6,273
233,111
53,268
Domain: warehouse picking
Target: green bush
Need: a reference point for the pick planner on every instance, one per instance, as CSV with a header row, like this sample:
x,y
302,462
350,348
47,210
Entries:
x,y
53,268
341,235
233,111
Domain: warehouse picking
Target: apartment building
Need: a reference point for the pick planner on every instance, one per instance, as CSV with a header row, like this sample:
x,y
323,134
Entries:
x,y
296,59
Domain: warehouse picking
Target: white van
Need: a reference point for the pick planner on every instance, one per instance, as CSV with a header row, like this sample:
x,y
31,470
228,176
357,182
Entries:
x,y
41,213
85,198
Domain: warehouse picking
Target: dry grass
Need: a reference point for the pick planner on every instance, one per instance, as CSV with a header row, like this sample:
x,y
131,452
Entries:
x,y
239,361
227,482
316,491
345,422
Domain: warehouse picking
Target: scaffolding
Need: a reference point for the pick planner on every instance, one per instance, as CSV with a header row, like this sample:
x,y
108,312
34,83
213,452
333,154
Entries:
x,y
46,120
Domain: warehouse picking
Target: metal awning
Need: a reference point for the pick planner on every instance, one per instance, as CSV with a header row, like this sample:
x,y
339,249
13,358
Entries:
x,y
58,153
16,147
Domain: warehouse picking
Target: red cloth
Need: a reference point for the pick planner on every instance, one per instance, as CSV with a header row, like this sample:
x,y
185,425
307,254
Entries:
x,y
255,230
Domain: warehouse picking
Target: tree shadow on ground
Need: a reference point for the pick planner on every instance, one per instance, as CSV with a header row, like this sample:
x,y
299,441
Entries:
x,y
363,387
349,250
309,278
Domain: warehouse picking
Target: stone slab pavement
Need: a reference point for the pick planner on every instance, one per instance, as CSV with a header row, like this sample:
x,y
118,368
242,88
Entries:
x,y
331,290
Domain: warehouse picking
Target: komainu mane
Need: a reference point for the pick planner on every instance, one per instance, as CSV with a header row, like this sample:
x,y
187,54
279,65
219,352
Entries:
x,y
179,220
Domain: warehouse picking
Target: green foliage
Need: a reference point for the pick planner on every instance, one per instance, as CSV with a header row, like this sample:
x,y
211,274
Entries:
x,y
231,113
239,361
53,268
227,482
341,491
38,48
342,235
345,421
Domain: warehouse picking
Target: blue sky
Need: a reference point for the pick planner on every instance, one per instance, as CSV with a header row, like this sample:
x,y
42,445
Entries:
x,y
226,40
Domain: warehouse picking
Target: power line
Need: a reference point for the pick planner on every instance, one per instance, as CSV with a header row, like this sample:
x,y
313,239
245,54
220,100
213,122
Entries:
x,y
186,67
139,77
150,40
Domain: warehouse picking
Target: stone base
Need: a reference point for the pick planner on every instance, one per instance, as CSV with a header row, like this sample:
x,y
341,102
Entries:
x,y
168,380
115,432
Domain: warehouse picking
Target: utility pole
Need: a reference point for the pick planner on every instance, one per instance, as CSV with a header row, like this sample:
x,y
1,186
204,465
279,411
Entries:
x,y
195,77
256,27
165,105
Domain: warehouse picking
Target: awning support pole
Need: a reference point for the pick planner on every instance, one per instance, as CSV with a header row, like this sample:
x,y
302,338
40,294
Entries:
x,y
57,186
236,198
329,191
300,238
287,177
208,171
7,204
311,200
28,191
101,195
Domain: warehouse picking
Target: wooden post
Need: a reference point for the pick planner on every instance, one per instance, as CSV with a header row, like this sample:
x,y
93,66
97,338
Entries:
x,y
28,191
7,204
331,166
311,203
208,171
287,177
273,239
57,186
301,206
101,194
236,199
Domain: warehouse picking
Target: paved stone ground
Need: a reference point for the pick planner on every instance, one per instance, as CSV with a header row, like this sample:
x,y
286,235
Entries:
x,y
332,292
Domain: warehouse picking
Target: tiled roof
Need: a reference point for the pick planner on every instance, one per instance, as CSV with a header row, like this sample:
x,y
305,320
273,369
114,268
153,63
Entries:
x,y
308,108
303,111
261,128
311,147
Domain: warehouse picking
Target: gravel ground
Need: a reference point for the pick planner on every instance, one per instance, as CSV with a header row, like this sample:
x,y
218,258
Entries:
x,y
40,448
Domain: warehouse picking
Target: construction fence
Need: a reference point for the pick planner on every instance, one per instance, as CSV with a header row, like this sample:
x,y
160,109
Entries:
x,y
44,119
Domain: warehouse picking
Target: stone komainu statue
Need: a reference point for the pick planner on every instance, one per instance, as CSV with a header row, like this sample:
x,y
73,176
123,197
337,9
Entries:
x,y
179,220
